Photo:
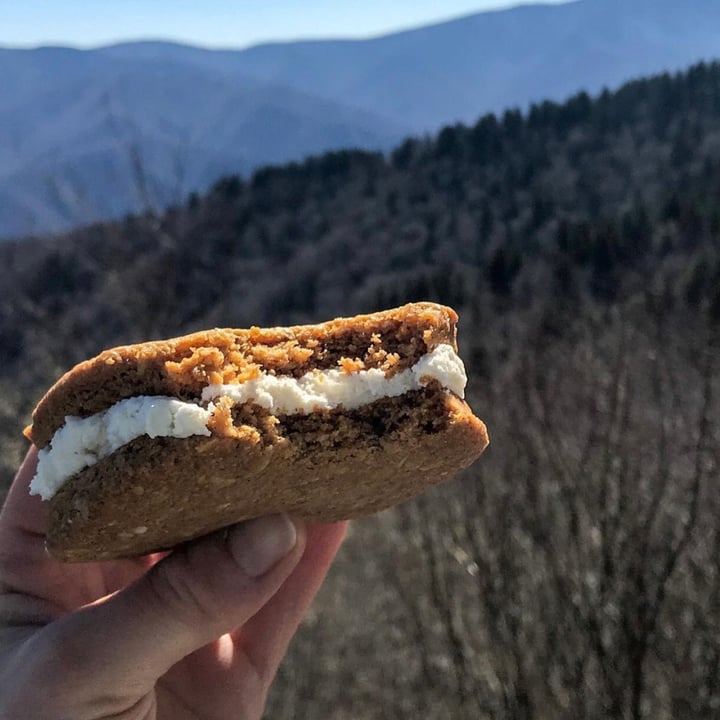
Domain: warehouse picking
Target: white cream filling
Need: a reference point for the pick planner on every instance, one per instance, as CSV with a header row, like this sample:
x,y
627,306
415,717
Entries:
x,y
81,442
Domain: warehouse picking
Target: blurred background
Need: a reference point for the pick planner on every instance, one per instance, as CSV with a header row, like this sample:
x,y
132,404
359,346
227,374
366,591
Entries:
x,y
550,170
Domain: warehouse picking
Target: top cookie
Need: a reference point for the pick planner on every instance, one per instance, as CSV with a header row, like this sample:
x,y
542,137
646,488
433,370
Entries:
x,y
391,340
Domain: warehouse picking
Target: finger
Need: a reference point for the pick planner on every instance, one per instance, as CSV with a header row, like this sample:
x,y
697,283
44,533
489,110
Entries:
x,y
264,639
26,568
187,600
24,562
21,509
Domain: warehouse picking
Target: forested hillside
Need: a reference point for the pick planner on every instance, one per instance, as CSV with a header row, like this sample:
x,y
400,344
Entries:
x,y
573,573
92,134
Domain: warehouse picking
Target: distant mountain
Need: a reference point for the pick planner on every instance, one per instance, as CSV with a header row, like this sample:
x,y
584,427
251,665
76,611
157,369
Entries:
x,y
86,135
456,70
93,134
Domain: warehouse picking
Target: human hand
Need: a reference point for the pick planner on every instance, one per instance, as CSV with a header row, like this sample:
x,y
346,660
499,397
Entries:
x,y
197,633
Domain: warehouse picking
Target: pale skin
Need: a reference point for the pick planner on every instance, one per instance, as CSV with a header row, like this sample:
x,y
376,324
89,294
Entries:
x,y
196,634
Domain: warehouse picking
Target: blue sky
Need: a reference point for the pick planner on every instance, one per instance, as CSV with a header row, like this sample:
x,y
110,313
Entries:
x,y
218,23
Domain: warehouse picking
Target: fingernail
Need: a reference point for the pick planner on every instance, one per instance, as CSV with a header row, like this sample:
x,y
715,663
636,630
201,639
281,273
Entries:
x,y
258,545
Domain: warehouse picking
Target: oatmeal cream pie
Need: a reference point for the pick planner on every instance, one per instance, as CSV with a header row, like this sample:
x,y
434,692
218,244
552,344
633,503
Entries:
x,y
149,445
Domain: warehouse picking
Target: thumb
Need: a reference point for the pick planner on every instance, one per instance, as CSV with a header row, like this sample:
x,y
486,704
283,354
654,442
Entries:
x,y
189,599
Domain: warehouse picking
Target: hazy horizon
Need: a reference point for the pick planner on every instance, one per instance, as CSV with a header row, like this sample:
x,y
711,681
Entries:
x,y
219,24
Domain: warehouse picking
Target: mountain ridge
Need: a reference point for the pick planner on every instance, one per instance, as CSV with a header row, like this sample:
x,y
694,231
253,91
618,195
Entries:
x,y
85,142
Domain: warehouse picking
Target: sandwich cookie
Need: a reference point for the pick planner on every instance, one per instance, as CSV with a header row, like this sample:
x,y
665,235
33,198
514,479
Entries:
x,y
147,446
